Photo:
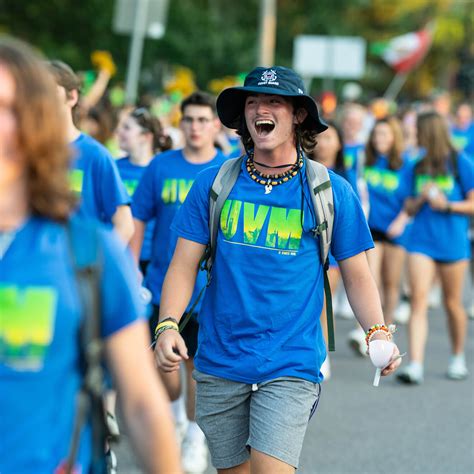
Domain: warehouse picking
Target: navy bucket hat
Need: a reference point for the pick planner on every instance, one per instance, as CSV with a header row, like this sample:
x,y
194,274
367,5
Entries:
x,y
276,80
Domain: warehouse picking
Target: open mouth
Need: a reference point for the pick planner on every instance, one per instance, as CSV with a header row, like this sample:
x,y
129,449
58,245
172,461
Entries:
x,y
264,127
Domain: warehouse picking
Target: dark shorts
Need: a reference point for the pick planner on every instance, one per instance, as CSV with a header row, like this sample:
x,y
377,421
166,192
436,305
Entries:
x,y
379,236
143,266
189,333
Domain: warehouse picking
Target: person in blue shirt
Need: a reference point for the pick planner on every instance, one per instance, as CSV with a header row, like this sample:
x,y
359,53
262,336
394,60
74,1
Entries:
x,y
94,175
261,345
329,152
95,178
161,192
442,198
352,123
387,174
462,130
41,310
141,136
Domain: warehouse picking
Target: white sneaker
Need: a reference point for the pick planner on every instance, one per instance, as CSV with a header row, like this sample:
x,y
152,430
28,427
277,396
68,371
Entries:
x,y
411,374
434,297
326,369
402,313
345,310
457,369
181,428
194,456
356,340
111,462
112,425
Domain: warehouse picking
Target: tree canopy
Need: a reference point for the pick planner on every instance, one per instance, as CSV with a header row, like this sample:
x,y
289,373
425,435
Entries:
x,y
218,38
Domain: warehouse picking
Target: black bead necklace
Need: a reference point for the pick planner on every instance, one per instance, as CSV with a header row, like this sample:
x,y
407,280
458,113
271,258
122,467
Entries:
x,y
270,180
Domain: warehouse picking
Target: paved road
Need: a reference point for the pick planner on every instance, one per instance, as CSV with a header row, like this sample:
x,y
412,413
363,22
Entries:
x,y
392,429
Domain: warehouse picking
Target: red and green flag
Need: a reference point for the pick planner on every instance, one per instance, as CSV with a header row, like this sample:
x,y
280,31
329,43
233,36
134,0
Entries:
x,y
404,52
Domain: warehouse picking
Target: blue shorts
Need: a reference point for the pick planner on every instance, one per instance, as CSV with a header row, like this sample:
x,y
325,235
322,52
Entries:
x,y
270,417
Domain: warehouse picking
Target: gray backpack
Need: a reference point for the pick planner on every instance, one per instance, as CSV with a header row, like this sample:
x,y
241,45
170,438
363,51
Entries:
x,y
323,204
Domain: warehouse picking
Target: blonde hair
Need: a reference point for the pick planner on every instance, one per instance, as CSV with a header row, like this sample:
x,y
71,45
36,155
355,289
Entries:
x,y
41,131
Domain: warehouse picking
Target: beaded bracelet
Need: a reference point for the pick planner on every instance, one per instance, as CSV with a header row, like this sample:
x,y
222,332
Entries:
x,y
379,328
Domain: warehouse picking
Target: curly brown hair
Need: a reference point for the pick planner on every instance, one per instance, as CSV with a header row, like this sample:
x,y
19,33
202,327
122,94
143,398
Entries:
x,y
305,135
41,131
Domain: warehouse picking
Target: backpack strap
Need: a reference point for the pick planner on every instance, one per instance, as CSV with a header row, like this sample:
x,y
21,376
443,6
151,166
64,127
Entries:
x,y
323,205
220,190
87,263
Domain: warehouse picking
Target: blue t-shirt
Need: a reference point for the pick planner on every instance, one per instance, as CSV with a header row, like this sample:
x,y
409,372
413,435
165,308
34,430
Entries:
x,y
260,315
96,179
39,353
463,139
131,175
388,190
439,235
162,189
353,157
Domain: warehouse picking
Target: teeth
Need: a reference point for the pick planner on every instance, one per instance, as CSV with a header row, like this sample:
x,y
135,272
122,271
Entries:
x,y
263,122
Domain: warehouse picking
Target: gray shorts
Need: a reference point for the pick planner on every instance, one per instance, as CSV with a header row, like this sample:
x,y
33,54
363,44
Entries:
x,y
270,417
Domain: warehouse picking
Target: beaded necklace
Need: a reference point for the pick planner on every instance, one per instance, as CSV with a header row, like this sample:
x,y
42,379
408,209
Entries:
x,y
270,180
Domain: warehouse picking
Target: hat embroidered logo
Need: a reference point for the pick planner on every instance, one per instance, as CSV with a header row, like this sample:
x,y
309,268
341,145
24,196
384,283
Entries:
x,y
269,77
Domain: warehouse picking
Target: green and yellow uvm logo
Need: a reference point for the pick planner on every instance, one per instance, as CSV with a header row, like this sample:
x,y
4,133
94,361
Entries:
x,y
386,179
443,182
27,319
175,190
266,227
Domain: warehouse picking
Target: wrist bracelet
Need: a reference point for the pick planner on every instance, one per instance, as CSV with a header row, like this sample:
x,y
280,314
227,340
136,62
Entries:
x,y
167,322
389,330
448,209
162,329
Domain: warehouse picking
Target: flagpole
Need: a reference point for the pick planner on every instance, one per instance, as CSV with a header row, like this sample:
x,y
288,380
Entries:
x,y
395,86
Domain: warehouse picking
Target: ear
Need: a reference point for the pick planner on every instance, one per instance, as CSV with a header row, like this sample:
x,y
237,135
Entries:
x,y
72,98
300,116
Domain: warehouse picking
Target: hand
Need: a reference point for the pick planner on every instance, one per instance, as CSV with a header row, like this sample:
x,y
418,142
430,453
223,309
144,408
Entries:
x,y
436,198
439,202
396,228
394,362
170,350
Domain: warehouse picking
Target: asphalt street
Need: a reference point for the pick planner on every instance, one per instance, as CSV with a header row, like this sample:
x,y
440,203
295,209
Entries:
x,y
392,429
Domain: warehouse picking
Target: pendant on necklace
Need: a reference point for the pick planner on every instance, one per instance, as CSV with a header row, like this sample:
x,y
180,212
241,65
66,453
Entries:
x,y
268,188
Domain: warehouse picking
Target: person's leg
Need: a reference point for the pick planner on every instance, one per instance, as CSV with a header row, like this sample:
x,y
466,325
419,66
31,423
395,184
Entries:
x,y
241,469
452,281
194,449
262,463
280,411
421,270
392,267
222,412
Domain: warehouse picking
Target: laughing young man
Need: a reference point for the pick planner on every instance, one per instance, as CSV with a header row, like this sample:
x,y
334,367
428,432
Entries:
x,y
260,340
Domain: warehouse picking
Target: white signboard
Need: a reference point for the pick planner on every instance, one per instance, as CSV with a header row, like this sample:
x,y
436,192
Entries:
x,y
340,57
156,14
